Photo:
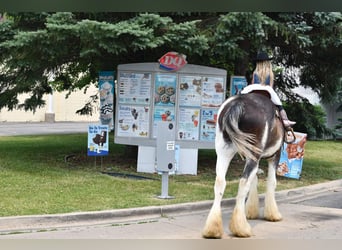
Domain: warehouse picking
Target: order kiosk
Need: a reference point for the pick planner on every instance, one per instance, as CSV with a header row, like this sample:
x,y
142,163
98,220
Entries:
x,y
188,98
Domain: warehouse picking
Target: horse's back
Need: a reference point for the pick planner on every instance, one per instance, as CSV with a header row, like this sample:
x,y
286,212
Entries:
x,y
257,110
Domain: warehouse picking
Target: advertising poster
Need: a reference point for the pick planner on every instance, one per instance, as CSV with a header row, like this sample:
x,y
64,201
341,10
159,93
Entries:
x,y
98,140
133,121
291,159
188,128
208,124
135,88
165,89
237,83
162,113
106,88
212,91
190,88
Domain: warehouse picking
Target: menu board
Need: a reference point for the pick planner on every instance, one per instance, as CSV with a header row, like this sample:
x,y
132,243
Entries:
x,y
133,121
189,98
135,88
212,91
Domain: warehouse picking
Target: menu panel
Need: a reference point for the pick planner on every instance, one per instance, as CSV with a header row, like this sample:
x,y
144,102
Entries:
x,y
212,91
188,124
190,88
133,121
135,88
208,124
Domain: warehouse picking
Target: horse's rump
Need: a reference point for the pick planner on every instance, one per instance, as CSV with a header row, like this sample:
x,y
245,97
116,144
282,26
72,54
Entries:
x,y
243,121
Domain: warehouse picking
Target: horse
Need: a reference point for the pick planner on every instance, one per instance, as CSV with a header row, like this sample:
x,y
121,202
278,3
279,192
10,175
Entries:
x,y
247,124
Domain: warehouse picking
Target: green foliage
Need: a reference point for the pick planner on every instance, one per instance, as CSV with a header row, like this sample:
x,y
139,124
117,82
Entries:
x,y
311,119
41,52
65,53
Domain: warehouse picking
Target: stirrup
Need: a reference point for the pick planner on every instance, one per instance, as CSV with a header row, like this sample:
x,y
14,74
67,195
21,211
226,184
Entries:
x,y
287,123
289,132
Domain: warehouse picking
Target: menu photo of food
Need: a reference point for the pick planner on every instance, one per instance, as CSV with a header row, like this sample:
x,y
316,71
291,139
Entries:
x,y
165,90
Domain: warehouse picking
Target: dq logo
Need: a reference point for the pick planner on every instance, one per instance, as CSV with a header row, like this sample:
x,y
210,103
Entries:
x,y
172,61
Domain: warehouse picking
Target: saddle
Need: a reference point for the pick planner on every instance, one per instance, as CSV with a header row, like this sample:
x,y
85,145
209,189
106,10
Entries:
x,y
262,92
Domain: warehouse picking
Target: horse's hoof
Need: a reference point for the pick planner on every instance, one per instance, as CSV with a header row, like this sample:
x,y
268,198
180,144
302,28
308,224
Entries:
x,y
240,231
274,217
212,235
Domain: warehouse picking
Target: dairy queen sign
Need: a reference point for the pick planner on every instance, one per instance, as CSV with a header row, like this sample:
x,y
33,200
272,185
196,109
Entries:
x,y
172,61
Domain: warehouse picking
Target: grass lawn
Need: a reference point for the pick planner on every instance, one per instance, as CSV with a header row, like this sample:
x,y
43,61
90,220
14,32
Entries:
x,y
37,177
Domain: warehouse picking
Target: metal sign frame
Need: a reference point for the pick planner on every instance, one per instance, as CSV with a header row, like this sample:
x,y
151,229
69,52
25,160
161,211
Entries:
x,y
138,107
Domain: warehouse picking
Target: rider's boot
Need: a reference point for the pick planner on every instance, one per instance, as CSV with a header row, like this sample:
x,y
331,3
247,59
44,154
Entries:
x,y
287,123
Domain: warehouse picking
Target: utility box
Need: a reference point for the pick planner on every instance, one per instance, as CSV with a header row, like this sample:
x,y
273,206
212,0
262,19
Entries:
x,y
165,147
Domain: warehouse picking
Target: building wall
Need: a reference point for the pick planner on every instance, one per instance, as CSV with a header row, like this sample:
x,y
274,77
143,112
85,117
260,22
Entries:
x,y
64,109
332,115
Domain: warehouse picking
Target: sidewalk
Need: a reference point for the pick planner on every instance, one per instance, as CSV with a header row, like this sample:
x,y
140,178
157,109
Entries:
x,y
185,221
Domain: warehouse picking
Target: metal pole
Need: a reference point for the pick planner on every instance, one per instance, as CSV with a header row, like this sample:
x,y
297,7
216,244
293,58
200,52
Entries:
x,y
165,186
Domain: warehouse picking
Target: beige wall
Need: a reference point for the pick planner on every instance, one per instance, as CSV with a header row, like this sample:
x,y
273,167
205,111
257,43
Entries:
x,y
64,109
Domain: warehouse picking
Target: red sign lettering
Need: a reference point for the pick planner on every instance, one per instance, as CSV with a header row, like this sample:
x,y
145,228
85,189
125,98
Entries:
x,y
172,61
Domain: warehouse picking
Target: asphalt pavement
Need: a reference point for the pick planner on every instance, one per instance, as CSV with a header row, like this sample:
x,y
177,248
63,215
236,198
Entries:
x,y
312,212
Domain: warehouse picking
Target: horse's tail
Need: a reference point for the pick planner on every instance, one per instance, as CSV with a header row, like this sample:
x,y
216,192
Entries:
x,y
245,143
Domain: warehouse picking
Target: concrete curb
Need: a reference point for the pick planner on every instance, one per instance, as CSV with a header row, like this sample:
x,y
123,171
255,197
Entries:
x,y
36,222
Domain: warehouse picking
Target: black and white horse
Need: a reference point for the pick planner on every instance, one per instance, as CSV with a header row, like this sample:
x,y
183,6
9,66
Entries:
x,y
249,125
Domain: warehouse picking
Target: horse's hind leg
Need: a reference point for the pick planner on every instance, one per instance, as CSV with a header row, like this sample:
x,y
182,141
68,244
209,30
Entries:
x,y
252,203
271,212
239,225
213,227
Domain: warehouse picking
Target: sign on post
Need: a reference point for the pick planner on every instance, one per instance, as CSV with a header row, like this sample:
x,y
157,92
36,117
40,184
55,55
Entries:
x,y
237,83
98,140
106,88
292,156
